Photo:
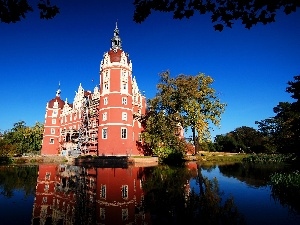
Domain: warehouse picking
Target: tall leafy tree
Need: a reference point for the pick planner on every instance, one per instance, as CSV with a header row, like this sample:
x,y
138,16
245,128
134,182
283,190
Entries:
x,y
248,139
226,143
283,130
184,101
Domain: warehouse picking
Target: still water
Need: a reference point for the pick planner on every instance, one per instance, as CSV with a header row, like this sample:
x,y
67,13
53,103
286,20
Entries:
x,y
193,194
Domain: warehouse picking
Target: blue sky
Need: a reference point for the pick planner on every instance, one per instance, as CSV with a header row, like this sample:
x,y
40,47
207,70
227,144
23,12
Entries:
x,y
251,68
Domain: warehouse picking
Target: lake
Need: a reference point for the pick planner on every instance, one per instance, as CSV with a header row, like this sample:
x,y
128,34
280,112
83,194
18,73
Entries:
x,y
194,194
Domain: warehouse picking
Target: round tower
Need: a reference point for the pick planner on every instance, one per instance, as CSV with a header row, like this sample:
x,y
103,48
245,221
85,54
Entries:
x,y
51,134
116,134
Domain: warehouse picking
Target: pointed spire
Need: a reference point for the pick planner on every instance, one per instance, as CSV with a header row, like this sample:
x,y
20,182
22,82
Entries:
x,y
58,90
116,42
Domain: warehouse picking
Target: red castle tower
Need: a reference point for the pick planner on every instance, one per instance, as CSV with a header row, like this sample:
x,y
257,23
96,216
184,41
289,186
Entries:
x,y
102,122
120,101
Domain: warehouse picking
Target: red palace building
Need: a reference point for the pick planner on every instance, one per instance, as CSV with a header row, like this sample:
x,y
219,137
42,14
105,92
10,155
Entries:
x,y
102,122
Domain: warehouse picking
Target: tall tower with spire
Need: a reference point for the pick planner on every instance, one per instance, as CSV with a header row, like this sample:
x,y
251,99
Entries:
x,y
120,102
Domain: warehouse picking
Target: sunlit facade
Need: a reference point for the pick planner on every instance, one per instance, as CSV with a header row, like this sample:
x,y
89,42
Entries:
x,y
99,122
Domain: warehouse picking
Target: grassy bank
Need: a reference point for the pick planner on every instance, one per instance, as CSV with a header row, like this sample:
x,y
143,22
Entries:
x,y
217,157
32,160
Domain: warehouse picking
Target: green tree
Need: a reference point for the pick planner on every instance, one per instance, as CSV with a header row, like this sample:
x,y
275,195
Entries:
x,y
181,102
223,12
248,139
283,130
12,11
294,89
226,143
22,139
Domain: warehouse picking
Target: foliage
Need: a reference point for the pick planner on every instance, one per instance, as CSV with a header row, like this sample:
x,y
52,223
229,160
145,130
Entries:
x,y
287,180
21,139
12,11
181,103
283,130
242,139
169,155
18,177
226,143
253,174
5,160
280,133
223,13
286,189
168,197
221,157
206,145
271,158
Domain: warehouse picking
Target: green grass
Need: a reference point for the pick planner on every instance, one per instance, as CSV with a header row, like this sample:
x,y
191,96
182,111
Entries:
x,y
270,158
221,157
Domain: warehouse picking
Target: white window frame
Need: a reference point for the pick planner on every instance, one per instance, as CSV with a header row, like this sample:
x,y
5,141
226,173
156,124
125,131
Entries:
x,y
124,86
104,134
124,100
52,130
104,116
53,121
124,191
103,191
124,214
105,101
54,113
124,133
93,137
106,86
51,141
124,116
102,213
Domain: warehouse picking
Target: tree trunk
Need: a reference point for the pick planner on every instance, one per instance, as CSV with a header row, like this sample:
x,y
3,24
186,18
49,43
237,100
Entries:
x,y
194,139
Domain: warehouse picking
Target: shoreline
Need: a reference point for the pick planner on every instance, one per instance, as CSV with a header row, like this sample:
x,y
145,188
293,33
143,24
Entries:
x,y
114,161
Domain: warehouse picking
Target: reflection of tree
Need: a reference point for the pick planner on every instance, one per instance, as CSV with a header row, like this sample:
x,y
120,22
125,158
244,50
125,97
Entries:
x,y
286,197
164,187
18,177
253,174
285,189
169,198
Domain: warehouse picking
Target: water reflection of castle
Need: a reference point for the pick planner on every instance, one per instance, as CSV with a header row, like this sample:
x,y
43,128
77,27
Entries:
x,y
77,195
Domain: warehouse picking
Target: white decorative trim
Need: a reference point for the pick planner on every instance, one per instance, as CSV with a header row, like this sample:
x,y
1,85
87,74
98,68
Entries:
x,y
114,107
115,124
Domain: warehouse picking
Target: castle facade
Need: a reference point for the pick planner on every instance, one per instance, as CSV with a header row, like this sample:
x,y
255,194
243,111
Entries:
x,y
99,122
